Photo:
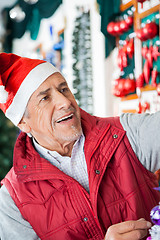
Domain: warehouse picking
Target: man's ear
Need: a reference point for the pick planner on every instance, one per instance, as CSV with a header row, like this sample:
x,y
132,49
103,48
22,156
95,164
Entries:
x,y
23,126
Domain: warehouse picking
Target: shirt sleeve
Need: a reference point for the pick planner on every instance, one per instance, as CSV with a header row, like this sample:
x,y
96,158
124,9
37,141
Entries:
x,y
143,132
12,225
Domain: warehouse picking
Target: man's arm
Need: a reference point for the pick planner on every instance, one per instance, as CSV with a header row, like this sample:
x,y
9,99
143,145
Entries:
x,y
143,132
12,224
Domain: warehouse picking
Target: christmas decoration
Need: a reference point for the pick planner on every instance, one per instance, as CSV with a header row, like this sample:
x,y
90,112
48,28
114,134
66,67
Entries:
x,y
149,31
155,218
154,77
31,1
82,64
13,85
119,27
17,14
142,108
8,136
140,81
126,50
123,87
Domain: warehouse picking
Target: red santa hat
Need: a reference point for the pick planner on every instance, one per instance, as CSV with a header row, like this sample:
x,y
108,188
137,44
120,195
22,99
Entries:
x,y
19,78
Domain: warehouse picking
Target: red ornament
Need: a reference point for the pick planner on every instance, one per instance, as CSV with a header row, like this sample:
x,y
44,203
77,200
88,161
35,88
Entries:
x,y
129,21
122,59
118,89
140,81
130,48
140,34
146,71
154,77
150,56
158,89
117,29
129,85
123,87
139,110
144,51
110,28
146,106
150,30
124,26
155,52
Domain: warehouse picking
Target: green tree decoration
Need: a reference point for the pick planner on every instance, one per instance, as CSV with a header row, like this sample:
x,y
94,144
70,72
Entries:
x,y
82,64
8,135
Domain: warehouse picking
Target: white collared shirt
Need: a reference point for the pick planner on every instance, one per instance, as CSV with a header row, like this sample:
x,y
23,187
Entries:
x,y
74,166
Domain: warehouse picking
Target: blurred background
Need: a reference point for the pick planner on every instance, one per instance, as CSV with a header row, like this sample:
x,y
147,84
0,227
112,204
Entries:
x,y
108,51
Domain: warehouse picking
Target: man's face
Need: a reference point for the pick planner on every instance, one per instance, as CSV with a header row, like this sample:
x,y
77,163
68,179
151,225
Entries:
x,y
53,114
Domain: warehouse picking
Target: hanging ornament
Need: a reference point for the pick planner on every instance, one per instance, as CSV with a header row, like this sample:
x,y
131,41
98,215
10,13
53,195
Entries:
x,y
155,52
140,34
120,26
146,71
158,89
150,30
31,1
155,215
150,56
17,14
140,81
110,28
129,20
154,75
144,51
130,48
141,1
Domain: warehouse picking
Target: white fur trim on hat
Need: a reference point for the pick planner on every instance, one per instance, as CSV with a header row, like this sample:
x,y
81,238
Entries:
x,y
3,94
32,81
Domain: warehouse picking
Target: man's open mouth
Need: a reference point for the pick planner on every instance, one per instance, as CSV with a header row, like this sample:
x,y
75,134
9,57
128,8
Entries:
x,y
65,118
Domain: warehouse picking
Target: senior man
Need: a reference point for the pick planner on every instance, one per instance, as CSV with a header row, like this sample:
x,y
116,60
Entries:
x,y
74,176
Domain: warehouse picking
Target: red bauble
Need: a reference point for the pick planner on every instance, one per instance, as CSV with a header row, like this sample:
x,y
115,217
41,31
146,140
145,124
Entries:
x,y
140,34
140,81
129,85
124,26
117,29
129,21
110,28
150,30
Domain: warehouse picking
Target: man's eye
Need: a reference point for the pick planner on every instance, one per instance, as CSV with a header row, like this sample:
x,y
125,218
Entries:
x,y
64,90
44,99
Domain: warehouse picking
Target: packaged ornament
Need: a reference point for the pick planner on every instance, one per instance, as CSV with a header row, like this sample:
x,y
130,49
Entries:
x,y
155,218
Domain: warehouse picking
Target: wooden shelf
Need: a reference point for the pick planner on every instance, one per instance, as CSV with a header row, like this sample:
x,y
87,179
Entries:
x,y
134,96
129,97
148,12
129,111
124,7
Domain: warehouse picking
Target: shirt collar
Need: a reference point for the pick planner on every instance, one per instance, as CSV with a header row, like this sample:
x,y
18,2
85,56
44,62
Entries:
x,y
45,153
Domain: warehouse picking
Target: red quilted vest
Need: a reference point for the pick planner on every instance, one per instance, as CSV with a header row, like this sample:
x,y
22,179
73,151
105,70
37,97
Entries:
x,y
59,208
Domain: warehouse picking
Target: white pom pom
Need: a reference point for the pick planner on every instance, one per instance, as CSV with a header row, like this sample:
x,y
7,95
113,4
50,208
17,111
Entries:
x,y
3,94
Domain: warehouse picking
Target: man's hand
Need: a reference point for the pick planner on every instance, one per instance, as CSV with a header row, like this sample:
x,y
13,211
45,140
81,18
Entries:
x,y
129,230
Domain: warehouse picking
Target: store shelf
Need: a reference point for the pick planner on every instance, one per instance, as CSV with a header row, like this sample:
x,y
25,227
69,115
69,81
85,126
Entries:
x,y
124,7
134,96
148,12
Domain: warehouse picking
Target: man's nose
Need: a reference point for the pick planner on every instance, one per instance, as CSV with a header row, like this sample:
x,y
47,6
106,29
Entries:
x,y
62,101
